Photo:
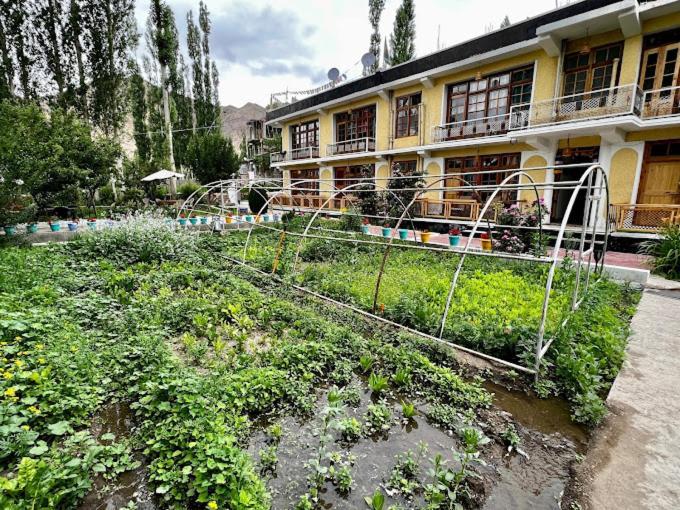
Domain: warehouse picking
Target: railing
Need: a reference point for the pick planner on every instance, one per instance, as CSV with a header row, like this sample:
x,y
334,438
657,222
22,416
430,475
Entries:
x,y
350,146
623,100
487,126
661,103
645,217
295,154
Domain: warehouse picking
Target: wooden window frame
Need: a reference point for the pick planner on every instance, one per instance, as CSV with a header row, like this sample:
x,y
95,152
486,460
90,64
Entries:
x,y
489,87
303,174
508,161
590,68
411,112
352,121
308,127
354,171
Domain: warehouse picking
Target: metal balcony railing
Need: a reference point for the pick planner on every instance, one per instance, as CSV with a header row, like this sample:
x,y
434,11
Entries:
x,y
351,146
660,103
295,154
623,100
487,126
645,217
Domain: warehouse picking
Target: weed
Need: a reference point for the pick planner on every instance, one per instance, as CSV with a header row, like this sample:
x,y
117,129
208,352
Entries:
x,y
268,459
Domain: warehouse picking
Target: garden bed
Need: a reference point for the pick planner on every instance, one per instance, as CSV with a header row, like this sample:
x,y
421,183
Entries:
x,y
210,358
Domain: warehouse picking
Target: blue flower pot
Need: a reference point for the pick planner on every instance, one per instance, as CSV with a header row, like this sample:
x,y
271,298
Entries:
x,y
92,225
249,218
365,228
204,220
55,227
193,221
265,218
277,218
10,230
386,232
72,227
403,234
182,221
454,240
31,228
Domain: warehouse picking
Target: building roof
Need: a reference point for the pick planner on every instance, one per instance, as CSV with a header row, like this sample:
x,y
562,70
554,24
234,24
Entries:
x,y
517,33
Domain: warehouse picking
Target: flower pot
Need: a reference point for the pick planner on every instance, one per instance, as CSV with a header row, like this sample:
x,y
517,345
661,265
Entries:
x,y
229,219
486,244
425,236
193,221
365,228
454,240
92,225
403,234
386,232
277,218
182,221
55,227
266,218
204,220
10,230
249,218
72,227
31,228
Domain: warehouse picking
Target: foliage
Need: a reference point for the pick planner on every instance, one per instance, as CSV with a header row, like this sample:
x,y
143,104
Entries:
x,y
211,157
375,8
665,251
350,429
378,418
257,200
402,39
403,187
378,383
186,189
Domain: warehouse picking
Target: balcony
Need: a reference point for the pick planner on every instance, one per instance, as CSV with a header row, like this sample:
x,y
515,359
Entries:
x,y
351,146
616,101
661,103
648,218
487,126
295,154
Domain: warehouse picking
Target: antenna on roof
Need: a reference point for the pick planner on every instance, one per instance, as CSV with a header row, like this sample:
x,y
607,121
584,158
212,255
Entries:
x,y
368,60
333,74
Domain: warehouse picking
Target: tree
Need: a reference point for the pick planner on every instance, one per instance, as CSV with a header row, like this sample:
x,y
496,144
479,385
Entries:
x,y
506,22
375,8
212,157
139,111
109,38
18,58
404,186
97,161
402,40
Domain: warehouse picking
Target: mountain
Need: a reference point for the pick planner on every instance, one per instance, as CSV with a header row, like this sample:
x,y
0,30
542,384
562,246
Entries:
x,y
234,120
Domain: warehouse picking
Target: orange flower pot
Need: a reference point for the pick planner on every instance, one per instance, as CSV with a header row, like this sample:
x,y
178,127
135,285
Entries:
x,y
425,236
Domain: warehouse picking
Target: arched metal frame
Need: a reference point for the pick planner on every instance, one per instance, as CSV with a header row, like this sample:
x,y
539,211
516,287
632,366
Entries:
x,y
593,182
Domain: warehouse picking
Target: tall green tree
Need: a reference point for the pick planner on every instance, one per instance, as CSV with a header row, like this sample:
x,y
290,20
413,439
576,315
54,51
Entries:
x,y
139,110
212,157
375,9
18,56
402,39
196,57
110,39
50,31
506,22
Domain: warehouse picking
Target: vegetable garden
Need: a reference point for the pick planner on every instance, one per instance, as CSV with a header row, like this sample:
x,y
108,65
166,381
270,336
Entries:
x,y
244,393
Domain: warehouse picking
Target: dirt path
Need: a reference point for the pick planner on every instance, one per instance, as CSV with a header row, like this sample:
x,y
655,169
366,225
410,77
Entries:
x,y
634,459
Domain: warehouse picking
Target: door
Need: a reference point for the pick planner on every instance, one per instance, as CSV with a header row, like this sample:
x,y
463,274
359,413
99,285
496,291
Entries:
x,y
659,181
660,71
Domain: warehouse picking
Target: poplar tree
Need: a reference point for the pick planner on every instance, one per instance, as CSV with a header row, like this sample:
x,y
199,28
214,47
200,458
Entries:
x,y
195,55
139,110
18,55
402,40
375,8
6,63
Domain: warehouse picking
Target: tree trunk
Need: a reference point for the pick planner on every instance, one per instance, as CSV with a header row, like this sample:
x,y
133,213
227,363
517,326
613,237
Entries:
x,y
166,114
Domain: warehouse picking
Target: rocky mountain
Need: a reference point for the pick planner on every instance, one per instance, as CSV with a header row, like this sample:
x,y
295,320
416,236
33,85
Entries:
x,y
234,120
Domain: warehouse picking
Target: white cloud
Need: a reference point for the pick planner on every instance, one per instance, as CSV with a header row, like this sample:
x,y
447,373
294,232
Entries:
x,y
265,46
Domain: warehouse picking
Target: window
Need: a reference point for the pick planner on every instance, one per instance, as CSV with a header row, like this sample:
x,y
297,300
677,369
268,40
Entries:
x,y
479,164
407,167
355,124
489,97
407,115
593,71
305,135
306,188
346,176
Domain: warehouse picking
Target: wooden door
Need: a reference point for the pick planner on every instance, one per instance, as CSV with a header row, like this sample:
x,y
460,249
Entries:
x,y
660,72
659,185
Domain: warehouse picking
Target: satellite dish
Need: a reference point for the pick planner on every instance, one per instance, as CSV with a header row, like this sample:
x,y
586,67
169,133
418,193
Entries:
x,y
368,59
333,74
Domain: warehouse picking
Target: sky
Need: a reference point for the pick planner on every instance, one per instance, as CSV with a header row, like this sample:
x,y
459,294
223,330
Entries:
x,y
265,46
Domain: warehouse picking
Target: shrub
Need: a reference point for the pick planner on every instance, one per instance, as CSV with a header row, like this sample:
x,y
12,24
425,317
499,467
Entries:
x,y
257,198
666,251
186,189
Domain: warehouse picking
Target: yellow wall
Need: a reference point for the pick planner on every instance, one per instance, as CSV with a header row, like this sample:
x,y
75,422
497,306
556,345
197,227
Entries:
x,y
382,174
653,134
433,172
630,61
537,175
325,174
484,150
622,175
661,23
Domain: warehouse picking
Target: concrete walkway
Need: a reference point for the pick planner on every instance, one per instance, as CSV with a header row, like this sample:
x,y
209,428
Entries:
x,y
634,458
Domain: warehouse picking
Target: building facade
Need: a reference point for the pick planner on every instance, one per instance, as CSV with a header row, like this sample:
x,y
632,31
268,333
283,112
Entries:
x,y
594,81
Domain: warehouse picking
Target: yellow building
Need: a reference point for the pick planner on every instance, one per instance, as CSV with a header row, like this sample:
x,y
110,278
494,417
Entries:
x,y
596,80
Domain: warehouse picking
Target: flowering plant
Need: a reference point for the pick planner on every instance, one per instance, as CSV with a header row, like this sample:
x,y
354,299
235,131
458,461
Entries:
x,y
455,231
509,242
365,221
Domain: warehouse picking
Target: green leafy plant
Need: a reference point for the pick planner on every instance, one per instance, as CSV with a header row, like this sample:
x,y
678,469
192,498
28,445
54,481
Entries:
x,y
377,501
377,383
366,362
268,459
408,410
350,429
402,377
665,251
378,418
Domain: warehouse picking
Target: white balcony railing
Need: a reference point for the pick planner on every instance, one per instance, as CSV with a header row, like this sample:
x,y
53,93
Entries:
x,y
623,100
295,154
351,146
660,103
487,126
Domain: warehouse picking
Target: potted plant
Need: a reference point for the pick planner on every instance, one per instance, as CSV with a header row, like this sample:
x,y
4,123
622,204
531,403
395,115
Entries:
x,y
204,220
425,236
229,218
182,219
31,228
365,226
193,219
277,217
386,230
92,223
486,241
265,218
249,218
454,236
55,226
72,225
10,230
403,234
